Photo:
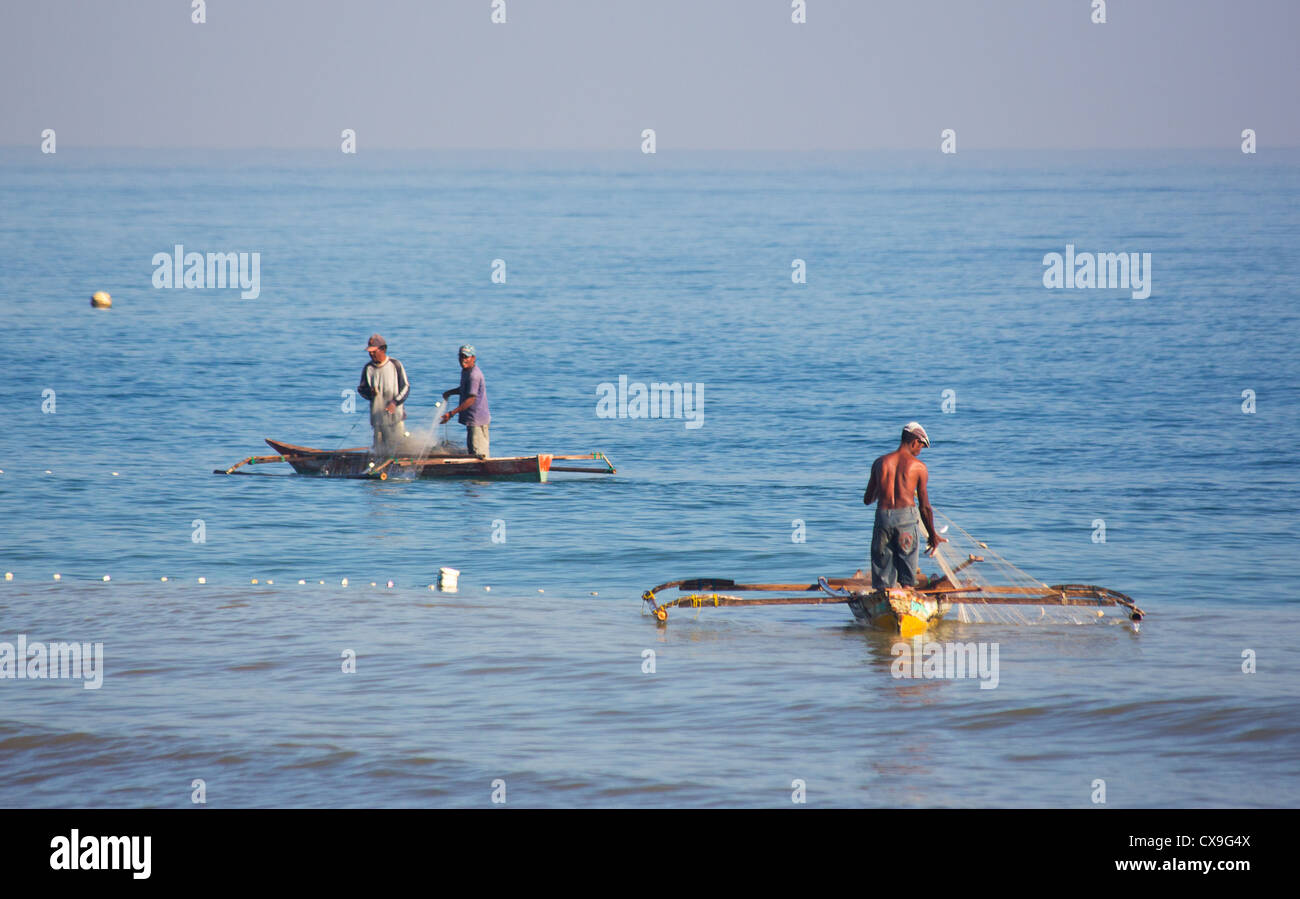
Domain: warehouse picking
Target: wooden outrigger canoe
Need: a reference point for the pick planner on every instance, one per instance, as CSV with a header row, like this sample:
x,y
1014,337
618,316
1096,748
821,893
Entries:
x,y
902,610
361,463
897,609
973,579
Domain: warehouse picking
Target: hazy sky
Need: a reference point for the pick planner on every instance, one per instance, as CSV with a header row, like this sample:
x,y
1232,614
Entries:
x,y
704,74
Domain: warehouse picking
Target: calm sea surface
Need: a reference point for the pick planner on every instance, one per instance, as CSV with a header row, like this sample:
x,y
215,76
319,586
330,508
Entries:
x,y
924,275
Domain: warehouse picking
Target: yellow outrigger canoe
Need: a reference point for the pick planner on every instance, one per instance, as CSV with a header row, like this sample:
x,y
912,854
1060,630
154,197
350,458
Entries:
x,y
978,585
902,610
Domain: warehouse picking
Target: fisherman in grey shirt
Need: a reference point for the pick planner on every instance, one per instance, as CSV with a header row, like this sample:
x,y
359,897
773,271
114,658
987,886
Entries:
x,y
473,408
383,382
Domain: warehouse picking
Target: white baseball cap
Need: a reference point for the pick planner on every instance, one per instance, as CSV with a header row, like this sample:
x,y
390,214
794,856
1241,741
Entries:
x,y
915,429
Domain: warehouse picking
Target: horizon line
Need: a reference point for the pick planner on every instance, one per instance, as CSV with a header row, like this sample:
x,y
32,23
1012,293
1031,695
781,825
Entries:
x,y
634,149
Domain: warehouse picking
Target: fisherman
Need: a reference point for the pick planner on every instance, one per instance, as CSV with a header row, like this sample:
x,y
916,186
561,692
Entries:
x,y
473,408
898,482
383,382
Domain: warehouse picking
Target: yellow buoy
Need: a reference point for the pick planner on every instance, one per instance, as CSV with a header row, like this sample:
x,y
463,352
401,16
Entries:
x,y
101,300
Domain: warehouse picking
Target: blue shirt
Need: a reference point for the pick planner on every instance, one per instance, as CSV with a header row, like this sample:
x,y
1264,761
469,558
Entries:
x,y
471,383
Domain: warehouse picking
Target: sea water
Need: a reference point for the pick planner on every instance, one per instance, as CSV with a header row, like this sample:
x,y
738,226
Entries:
x,y
1147,445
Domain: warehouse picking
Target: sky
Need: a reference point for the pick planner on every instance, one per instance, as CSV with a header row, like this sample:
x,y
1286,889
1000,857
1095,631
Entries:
x,y
704,74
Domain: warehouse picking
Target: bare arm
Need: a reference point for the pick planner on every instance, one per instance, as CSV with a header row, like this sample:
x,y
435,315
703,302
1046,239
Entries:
x,y
927,513
873,485
465,404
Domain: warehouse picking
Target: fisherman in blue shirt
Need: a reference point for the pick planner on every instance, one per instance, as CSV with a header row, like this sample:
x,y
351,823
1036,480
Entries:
x,y
473,408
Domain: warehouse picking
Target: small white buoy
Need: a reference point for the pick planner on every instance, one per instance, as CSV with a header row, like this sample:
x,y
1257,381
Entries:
x,y
163,578
540,590
101,300
322,582
114,474
47,471
301,581
594,593
390,583
105,577
343,583
203,580
57,576
488,589
447,579
373,584
269,582
9,575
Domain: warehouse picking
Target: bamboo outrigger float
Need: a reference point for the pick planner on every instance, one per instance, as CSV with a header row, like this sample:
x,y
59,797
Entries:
x,y
362,464
963,585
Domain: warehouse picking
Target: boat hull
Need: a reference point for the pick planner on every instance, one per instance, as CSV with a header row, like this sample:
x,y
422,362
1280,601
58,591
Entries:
x,y
898,610
360,463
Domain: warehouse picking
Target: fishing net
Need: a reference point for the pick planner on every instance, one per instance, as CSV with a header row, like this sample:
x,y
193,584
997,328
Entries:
x,y
986,588
420,442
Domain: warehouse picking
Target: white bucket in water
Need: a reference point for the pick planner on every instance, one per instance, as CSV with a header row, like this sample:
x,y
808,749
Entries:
x,y
447,579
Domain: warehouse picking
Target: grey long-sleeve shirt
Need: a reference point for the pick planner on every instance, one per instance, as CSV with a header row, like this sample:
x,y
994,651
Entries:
x,y
382,384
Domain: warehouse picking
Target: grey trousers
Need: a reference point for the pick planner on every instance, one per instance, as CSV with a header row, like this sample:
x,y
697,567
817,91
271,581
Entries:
x,y
476,440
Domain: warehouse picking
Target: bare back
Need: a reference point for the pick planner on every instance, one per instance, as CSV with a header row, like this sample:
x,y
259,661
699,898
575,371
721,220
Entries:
x,y
895,479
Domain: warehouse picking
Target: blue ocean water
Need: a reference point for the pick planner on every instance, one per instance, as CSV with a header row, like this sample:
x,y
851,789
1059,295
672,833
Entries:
x,y
924,281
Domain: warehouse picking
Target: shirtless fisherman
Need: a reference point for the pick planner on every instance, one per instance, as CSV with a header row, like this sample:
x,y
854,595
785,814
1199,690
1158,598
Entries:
x,y
383,382
898,480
